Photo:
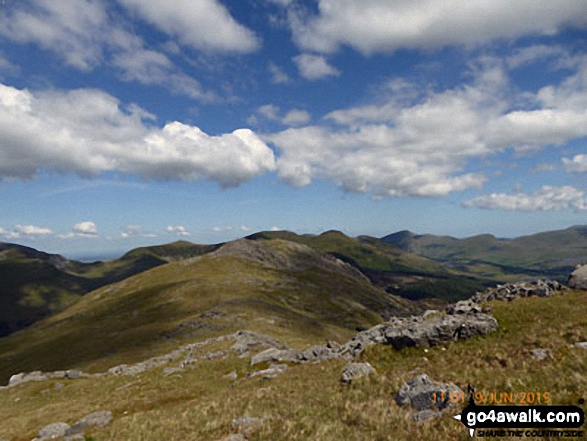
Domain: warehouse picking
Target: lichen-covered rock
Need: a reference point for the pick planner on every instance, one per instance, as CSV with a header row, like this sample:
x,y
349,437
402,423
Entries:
x,y
353,371
53,431
98,419
248,340
273,355
422,393
578,278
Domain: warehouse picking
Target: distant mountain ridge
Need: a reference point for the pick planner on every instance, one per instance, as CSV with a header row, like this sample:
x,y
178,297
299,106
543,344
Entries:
x,y
35,284
549,254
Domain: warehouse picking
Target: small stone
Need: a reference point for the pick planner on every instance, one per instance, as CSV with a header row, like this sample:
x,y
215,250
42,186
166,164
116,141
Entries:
x,y
541,354
231,376
581,345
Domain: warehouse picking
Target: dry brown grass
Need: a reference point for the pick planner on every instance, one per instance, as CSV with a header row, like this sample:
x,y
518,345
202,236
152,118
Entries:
x,y
308,401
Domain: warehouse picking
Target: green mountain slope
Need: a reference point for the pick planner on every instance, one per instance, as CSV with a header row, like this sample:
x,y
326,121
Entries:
x,y
308,401
291,290
389,267
551,254
34,284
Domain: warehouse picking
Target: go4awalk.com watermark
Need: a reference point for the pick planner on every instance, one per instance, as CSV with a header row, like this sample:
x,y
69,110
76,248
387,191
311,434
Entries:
x,y
542,421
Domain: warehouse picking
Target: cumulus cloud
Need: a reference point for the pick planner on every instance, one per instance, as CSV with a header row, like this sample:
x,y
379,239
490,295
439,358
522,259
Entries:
x,y
178,230
85,36
86,229
245,229
546,198
576,165
201,24
314,67
87,132
412,143
373,26
28,231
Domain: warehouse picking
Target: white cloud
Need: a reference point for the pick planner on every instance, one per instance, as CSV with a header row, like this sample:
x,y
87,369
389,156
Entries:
x,y
222,229
87,228
83,33
201,24
179,230
74,29
130,231
274,228
269,111
86,132
32,230
296,117
7,67
544,167
151,67
278,76
530,54
373,26
314,67
546,198
412,143
576,165
245,229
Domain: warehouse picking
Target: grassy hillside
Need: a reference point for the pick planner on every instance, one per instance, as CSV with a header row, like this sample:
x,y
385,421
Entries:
x,y
36,284
551,254
389,267
308,401
289,289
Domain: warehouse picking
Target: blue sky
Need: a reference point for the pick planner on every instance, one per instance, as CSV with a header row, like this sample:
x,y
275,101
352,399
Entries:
x,y
134,122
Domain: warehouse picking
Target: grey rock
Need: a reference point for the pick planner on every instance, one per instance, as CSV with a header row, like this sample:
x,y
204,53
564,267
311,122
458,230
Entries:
x,y
277,355
464,307
271,372
76,437
320,353
53,431
425,415
578,278
73,374
171,370
422,393
541,354
99,419
581,345
247,340
25,377
231,376
353,371
246,425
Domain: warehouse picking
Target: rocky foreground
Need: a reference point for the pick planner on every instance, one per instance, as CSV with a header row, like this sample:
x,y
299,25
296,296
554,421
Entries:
x,y
463,320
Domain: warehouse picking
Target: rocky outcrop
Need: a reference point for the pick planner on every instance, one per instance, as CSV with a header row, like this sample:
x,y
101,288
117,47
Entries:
x,y
511,291
418,331
428,398
353,371
578,278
